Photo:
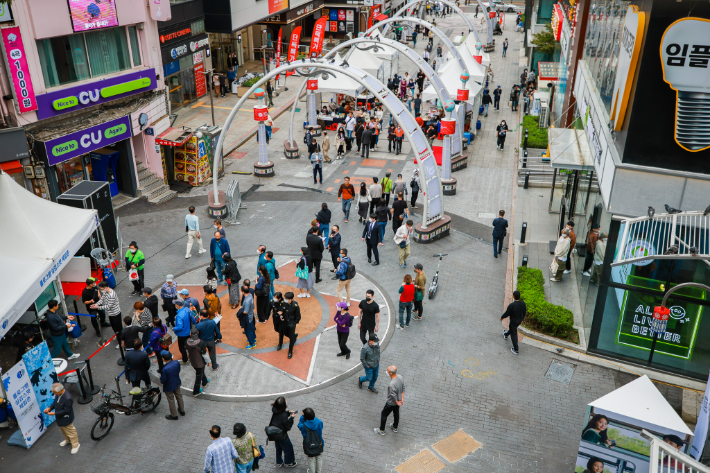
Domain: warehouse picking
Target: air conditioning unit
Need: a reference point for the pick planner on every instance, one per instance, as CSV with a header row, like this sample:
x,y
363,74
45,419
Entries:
x,y
544,114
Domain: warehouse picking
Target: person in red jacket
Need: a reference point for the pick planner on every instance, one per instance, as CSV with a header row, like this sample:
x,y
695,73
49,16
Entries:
x,y
405,300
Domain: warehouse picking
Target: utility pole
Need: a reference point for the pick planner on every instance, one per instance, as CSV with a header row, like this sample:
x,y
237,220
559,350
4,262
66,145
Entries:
x,y
209,91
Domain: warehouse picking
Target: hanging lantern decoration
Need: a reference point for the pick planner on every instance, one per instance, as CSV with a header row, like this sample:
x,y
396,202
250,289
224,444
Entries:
x,y
448,125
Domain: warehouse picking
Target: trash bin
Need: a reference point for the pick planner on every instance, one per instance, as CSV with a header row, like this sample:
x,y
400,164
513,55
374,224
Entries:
x,y
235,88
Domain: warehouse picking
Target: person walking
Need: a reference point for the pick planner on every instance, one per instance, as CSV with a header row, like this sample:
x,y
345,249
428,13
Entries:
x,y
419,288
192,227
414,184
350,123
403,238
137,365
342,275
382,214
343,322
58,326
476,15
246,317
323,218
232,276
315,251
289,320
369,320
400,186
561,253
501,131
346,194
270,93
387,185
168,293
209,336
262,291
311,428
334,247
366,139
370,359
426,56
438,50
282,419
170,379
135,261
375,194
486,101
244,442
359,129
218,227
514,97
515,313
339,143
218,247
326,147
406,298
109,304
398,139
183,324
572,246
496,97
500,226
316,160
391,137
599,253
221,454
592,239
63,412
505,46
363,203
399,211
395,399
371,237
194,352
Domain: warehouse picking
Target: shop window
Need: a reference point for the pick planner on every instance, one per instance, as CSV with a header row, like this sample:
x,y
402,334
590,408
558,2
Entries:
x,y
63,60
197,27
70,173
108,51
135,46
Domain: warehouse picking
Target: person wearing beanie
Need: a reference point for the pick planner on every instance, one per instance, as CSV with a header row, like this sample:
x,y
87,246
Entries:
x,y
370,359
197,361
170,379
343,321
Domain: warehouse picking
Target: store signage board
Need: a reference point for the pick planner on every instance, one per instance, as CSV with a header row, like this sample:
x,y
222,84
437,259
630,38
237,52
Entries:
x,y
90,15
160,10
276,6
631,40
175,33
90,139
13,143
18,70
182,49
76,98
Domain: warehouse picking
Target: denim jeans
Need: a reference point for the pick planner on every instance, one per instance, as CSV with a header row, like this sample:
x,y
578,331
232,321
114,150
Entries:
x,y
317,171
349,133
60,343
485,109
219,267
383,226
246,468
402,306
284,447
346,207
251,333
325,231
371,376
498,245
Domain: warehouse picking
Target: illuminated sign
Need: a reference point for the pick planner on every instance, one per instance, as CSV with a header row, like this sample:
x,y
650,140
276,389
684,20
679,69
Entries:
x,y
558,16
167,37
92,15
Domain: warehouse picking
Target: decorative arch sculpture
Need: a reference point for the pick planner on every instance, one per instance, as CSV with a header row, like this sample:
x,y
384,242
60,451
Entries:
x,y
435,224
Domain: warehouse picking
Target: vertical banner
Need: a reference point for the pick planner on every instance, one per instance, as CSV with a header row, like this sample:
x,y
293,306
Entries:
x,y
24,403
278,55
18,70
293,47
701,428
318,35
40,369
200,86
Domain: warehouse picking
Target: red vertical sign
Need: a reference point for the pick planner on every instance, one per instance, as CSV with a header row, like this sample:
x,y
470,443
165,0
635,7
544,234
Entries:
x,y
293,47
200,88
318,35
278,53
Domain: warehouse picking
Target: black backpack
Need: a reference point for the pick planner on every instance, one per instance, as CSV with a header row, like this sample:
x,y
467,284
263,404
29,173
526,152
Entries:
x,y
350,272
312,444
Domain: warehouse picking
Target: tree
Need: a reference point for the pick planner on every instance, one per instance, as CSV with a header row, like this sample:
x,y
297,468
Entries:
x,y
545,41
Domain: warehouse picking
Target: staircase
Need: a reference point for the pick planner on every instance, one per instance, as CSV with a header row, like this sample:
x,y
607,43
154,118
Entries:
x,y
151,187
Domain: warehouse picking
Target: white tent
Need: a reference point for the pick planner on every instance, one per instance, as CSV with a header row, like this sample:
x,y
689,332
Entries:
x,y
37,239
450,76
340,84
389,56
470,43
367,62
477,71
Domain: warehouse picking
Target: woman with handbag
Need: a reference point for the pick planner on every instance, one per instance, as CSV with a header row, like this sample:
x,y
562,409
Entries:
x,y
134,265
557,266
231,274
245,444
340,143
363,202
281,422
304,273
262,291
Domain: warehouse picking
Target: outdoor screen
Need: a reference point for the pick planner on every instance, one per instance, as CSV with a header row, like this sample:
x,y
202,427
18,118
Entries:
x,y
92,14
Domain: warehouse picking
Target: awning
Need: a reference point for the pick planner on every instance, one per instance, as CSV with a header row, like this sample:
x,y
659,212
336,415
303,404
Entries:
x,y
173,137
11,167
380,17
569,149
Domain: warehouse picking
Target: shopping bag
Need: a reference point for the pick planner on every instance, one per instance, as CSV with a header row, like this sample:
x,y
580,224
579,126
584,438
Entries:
x,y
553,267
133,274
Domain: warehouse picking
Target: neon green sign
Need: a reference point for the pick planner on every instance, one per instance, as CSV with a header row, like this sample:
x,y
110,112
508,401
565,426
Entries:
x,y
125,87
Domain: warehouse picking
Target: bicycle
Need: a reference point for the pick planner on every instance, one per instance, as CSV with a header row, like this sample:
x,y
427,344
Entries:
x,y
434,285
143,402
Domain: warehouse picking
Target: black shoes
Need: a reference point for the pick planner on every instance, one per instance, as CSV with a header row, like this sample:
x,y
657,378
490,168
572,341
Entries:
x,y
369,260
319,280
347,356
340,354
359,383
169,417
375,263
334,277
278,348
182,413
372,390
290,355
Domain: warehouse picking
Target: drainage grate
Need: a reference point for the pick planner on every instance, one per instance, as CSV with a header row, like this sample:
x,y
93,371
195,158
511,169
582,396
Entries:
x,y
560,371
456,446
424,462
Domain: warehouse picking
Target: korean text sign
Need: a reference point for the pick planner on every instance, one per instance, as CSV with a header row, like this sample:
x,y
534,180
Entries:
x,y
24,402
18,70
90,15
81,142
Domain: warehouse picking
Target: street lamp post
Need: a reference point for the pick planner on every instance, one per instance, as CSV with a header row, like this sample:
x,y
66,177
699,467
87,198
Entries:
x,y
209,73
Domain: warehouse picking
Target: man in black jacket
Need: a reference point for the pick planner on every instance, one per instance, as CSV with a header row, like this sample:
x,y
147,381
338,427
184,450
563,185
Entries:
x,y
90,296
130,333
516,311
371,236
486,101
58,330
151,301
137,364
289,319
315,250
62,409
366,138
500,225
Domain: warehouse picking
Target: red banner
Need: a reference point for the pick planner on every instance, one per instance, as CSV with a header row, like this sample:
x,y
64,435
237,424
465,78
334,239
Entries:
x,y
278,54
293,47
318,35
200,87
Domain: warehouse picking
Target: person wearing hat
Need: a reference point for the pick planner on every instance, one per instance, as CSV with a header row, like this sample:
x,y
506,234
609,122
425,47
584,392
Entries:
x,y
183,324
557,266
343,321
90,296
599,253
197,361
170,379
168,292
370,359
189,300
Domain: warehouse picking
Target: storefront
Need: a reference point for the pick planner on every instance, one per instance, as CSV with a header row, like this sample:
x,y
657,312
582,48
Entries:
x,y
15,155
184,68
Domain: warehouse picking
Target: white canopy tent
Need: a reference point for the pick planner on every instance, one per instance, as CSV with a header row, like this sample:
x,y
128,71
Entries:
x,y
367,62
470,43
339,83
477,71
450,75
389,56
38,238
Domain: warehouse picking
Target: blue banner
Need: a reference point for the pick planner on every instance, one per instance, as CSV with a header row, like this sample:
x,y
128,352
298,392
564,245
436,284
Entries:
x,y
42,374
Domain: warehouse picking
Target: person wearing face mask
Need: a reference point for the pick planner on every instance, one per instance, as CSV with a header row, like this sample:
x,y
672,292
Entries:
x,y
218,247
334,246
135,260
277,310
218,227
371,236
501,131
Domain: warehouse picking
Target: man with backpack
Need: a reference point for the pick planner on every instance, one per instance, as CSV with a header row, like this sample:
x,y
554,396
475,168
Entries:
x,y
312,429
345,273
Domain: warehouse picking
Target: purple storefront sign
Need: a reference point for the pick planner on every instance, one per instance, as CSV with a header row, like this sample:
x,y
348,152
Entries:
x,y
82,142
82,96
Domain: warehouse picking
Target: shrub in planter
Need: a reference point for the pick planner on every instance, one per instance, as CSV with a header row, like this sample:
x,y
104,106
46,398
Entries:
x,y
537,137
550,318
248,83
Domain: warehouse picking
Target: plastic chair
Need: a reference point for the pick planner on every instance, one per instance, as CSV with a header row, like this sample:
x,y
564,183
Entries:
x,y
79,378
102,257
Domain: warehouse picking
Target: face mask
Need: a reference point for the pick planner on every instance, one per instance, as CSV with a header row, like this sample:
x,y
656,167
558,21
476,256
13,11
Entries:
x,y
369,298
133,251
275,299
216,226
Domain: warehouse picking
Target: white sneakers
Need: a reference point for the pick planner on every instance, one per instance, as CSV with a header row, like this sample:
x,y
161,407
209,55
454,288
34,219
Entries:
x,y
586,273
567,271
201,251
188,255
74,356
63,443
75,450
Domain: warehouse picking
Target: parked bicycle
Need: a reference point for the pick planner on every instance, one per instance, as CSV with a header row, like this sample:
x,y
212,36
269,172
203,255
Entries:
x,y
144,401
435,280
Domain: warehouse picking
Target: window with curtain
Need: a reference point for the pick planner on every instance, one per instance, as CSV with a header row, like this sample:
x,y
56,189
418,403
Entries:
x,y
135,46
108,51
63,60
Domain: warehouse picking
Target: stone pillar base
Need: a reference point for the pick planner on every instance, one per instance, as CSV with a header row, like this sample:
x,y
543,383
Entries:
x,y
291,152
435,231
449,186
264,169
217,210
316,131
459,162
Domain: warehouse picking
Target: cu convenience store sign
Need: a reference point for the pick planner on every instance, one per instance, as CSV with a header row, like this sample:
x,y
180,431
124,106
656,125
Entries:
x,y
16,61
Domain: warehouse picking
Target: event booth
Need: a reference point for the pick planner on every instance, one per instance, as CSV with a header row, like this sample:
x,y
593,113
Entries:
x,y
389,56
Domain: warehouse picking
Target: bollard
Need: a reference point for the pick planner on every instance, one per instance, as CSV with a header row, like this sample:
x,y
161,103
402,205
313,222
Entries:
x,y
525,141
122,361
525,260
527,179
523,232
91,389
118,388
525,159
85,397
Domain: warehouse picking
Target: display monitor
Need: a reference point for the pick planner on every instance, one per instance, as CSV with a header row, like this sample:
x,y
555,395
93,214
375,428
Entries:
x,y
92,14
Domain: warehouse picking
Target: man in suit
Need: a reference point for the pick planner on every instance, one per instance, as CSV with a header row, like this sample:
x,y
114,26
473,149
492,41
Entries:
x,y
137,365
500,225
170,379
62,409
366,138
371,236
516,311
315,250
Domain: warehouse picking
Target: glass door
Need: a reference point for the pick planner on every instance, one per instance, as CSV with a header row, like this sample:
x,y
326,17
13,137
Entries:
x,y
175,90
189,93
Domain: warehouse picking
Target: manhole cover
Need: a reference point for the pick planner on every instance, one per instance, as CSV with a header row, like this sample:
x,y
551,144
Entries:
x,y
456,446
423,462
560,371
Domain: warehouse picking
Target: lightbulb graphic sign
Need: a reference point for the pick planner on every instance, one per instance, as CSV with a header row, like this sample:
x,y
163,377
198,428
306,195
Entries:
x,y
631,40
685,56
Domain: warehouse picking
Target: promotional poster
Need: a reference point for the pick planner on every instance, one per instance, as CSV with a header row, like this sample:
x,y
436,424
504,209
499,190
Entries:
x,y
90,15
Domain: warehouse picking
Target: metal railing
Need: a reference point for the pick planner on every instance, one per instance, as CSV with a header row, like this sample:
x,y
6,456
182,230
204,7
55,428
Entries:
x,y
666,459
234,201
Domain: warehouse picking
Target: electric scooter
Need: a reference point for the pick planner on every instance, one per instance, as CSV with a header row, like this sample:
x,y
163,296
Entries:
x,y
435,280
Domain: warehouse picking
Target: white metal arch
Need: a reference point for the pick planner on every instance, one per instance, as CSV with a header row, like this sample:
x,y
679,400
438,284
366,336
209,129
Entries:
x,y
428,170
403,48
460,12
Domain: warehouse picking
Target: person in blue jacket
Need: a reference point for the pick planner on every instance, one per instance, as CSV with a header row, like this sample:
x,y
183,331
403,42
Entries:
x,y
218,247
183,323
170,379
309,421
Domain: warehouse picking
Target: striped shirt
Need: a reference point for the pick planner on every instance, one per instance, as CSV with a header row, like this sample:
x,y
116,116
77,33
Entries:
x,y
146,317
109,303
